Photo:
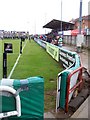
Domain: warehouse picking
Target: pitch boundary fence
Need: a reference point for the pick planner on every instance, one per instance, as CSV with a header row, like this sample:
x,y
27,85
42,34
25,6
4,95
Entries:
x,y
70,78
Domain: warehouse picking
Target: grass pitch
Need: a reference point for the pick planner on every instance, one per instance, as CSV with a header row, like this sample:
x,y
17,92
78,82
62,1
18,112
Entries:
x,y
35,61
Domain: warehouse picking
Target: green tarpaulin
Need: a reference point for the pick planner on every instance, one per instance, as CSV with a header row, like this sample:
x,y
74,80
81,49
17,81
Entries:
x,y
31,92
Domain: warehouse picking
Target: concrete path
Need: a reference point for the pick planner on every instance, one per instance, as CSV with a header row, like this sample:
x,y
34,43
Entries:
x,y
83,111
48,115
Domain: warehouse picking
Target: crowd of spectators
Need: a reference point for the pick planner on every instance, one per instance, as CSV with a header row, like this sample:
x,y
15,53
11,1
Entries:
x,y
52,37
13,34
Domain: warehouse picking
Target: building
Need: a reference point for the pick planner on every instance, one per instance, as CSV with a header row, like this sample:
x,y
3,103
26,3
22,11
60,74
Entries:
x,y
85,24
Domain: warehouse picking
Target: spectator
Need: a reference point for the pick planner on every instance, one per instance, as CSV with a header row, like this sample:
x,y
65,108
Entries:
x,y
59,41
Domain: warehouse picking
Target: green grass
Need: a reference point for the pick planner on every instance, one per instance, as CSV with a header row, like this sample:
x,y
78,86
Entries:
x,y
35,61
11,57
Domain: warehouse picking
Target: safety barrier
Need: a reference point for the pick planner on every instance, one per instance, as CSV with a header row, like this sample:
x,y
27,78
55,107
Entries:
x,y
41,42
68,79
63,84
72,87
66,57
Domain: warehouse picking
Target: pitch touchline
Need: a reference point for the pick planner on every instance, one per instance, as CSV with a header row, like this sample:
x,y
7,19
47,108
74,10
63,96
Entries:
x,y
16,63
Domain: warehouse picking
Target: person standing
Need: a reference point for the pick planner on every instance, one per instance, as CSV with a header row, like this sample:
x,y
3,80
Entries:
x,y
60,41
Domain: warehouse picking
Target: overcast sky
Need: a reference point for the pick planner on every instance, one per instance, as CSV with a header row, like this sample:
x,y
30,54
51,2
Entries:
x,y
32,15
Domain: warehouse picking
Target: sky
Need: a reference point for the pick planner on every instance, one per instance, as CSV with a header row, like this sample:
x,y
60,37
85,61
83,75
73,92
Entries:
x,y
32,15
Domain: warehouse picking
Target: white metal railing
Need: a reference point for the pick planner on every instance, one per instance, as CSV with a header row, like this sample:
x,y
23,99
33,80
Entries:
x,y
18,103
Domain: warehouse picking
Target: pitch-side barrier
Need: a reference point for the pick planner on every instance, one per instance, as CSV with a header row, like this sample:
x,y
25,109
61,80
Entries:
x,y
70,78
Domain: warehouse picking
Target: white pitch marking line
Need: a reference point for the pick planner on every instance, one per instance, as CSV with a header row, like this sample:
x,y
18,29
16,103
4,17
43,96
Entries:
x,y
16,63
